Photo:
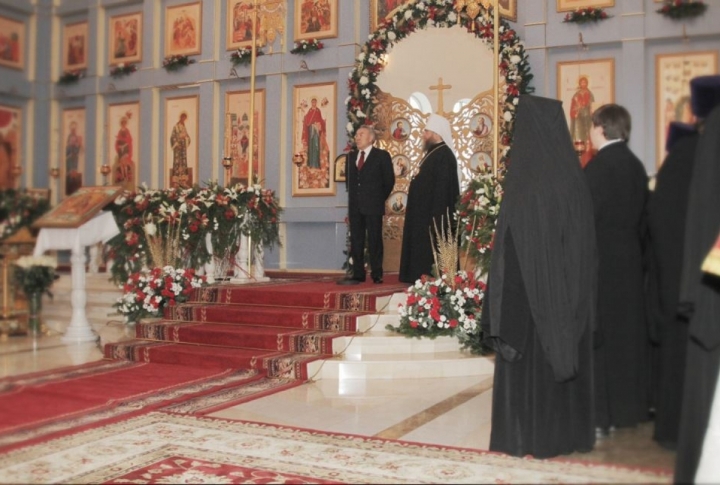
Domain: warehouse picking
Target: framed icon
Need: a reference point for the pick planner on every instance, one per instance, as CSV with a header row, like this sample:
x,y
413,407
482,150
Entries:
x,y
341,168
480,160
673,73
122,144
72,149
75,38
481,125
237,135
313,139
125,38
183,29
12,40
181,140
10,144
400,129
568,5
401,166
316,19
396,203
583,86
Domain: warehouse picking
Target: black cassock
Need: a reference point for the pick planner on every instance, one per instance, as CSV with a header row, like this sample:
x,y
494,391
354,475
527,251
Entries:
x,y
432,196
618,184
700,292
667,208
539,312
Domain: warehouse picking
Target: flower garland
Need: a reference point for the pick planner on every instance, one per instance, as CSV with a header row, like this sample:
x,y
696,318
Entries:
x,y
71,77
175,63
122,69
448,305
514,64
19,209
306,46
585,15
679,9
477,212
243,56
221,213
149,291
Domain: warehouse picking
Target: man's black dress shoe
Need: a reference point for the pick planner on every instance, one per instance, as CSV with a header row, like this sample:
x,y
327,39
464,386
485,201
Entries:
x,y
377,281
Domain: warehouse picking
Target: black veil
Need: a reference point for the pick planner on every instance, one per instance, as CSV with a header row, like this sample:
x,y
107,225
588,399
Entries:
x,y
548,209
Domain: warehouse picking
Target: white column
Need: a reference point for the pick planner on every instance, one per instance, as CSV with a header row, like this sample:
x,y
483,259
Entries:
x,y
79,329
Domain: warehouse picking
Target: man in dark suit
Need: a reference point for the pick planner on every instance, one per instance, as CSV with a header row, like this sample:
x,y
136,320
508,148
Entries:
x,y
370,179
619,189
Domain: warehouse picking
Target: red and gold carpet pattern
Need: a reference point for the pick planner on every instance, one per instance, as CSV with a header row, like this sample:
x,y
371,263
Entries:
x,y
167,448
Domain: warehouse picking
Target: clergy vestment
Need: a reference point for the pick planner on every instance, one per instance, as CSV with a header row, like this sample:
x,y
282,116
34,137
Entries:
x,y
432,196
700,294
667,208
539,311
618,185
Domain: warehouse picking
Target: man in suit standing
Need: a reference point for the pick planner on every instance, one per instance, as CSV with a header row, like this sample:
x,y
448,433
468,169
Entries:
x,y
370,179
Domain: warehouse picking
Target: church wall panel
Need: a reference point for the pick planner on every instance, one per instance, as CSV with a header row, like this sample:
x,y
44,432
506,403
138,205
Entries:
x,y
632,36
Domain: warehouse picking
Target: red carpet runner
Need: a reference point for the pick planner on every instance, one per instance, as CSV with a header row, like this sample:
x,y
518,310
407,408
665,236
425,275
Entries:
x,y
276,328
229,344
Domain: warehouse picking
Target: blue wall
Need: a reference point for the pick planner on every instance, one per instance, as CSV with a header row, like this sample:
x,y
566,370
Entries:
x,y
314,226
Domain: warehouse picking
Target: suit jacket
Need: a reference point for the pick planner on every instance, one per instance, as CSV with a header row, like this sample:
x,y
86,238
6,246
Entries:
x,y
369,188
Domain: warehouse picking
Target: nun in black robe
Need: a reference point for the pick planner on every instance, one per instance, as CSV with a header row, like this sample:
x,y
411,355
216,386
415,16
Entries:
x,y
667,208
539,313
700,296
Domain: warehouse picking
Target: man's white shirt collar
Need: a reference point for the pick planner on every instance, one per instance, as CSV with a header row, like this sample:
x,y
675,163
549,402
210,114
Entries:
x,y
610,142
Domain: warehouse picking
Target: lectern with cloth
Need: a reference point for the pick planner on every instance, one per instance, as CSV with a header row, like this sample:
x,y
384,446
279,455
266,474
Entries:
x,y
77,222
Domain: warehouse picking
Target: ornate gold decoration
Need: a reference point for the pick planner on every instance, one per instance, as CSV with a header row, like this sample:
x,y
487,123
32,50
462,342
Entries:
x,y
390,108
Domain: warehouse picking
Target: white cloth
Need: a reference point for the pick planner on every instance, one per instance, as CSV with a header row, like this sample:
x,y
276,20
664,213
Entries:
x,y
441,126
100,228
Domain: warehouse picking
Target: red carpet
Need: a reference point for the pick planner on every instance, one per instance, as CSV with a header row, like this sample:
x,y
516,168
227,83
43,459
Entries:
x,y
229,344
275,327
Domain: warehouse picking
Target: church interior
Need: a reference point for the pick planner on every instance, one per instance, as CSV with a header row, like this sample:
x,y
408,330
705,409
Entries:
x,y
262,370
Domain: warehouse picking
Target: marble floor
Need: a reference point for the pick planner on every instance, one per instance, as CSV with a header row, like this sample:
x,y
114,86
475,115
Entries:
x,y
452,411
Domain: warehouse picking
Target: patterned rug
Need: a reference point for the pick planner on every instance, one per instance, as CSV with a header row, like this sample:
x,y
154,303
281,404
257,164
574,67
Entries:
x,y
167,448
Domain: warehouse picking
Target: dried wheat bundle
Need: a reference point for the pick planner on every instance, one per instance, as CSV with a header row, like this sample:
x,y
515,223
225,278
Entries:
x,y
446,250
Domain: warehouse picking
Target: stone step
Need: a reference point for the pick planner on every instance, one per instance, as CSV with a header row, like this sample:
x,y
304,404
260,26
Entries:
x,y
402,366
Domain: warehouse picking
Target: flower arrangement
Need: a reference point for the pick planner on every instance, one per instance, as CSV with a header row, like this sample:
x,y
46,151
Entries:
x,y
214,211
306,46
409,17
176,62
35,274
71,77
448,305
19,209
147,292
477,212
585,15
243,56
680,9
122,69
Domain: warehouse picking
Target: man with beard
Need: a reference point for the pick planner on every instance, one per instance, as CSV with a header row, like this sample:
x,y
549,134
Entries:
x,y
433,192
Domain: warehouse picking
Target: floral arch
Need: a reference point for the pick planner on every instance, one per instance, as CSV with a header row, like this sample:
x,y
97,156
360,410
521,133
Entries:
x,y
514,65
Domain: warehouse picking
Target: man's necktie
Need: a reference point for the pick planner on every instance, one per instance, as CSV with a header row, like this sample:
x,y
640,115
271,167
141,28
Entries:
x,y
361,162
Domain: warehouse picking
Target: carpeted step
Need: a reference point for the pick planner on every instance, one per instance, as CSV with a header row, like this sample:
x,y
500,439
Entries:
x,y
273,316
274,364
323,294
239,336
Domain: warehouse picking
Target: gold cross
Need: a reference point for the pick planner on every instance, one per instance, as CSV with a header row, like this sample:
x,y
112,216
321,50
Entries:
x,y
440,87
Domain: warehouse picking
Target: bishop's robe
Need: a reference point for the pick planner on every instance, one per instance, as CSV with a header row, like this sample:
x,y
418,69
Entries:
x,y
432,196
